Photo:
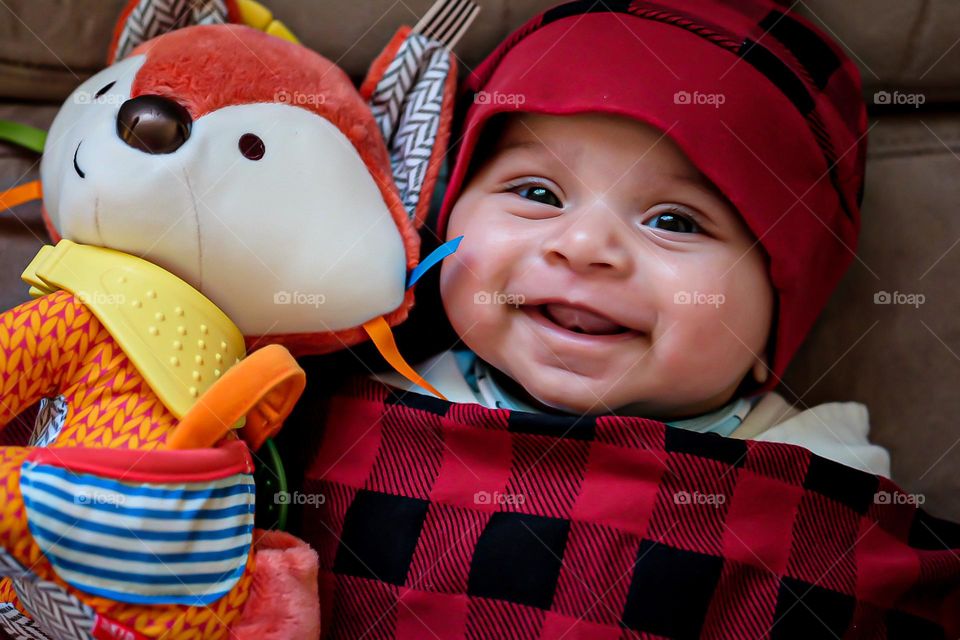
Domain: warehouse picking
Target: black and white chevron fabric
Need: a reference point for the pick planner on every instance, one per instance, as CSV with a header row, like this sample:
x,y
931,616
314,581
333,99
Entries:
x,y
49,422
18,626
151,18
59,614
10,567
407,105
54,613
408,100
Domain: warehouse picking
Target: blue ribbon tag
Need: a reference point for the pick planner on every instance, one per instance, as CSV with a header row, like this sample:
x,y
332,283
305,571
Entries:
x,y
446,249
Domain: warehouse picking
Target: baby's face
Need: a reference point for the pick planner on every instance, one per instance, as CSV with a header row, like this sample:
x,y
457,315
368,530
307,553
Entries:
x,y
600,270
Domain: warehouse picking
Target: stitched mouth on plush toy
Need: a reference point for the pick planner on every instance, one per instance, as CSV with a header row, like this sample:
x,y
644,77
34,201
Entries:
x,y
76,167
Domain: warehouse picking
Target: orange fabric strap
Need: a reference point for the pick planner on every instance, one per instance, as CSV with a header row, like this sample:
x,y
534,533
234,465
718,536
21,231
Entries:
x,y
18,195
382,337
263,387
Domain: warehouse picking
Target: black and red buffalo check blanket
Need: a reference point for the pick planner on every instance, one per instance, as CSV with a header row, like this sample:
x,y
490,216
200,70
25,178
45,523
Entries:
x,y
440,520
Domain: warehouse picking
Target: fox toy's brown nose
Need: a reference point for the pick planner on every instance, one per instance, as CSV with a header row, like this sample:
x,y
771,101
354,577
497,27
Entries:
x,y
153,124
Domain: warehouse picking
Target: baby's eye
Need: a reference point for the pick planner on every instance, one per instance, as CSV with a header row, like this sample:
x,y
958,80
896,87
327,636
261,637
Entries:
x,y
673,221
538,193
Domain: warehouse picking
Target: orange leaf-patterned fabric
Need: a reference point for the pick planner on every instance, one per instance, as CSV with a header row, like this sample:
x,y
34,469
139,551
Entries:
x,y
54,347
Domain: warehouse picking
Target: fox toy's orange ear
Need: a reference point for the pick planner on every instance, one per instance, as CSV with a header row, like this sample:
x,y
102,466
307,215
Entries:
x,y
411,88
142,20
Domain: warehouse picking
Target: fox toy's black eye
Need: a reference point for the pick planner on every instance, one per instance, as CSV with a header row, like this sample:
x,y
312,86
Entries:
x,y
105,88
252,146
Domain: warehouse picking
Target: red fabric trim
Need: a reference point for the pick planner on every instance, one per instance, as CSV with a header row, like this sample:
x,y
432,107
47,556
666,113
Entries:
x,y
233,12
379,66
190,465
106,629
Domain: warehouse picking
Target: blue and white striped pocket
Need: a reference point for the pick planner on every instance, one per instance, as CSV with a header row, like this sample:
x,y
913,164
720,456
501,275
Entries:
x,y
146,543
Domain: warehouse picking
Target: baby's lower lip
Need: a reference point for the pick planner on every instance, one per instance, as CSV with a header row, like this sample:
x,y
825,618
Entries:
x,y
536,313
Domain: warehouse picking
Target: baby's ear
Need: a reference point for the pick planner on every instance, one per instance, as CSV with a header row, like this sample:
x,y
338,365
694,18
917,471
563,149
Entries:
x,y
411,88
760,371
142,20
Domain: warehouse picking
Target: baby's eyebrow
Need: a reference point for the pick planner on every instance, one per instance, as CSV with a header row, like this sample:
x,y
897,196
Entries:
x,y
644,180
706,185
519,144
698,183
717,214
541,151
693,179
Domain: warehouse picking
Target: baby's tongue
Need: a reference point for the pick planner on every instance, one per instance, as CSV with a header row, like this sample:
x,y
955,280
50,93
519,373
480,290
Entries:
x,y
577,319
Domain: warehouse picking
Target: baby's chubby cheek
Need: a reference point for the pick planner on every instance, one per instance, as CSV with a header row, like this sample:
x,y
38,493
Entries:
x,y
720,318
489,239
468,285
478,275
459,281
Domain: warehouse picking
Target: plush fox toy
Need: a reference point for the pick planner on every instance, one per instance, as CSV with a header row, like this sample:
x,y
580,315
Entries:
x,y
218,195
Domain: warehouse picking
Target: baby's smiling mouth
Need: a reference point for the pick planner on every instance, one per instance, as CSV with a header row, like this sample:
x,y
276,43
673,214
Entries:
x,y
580,320
576,319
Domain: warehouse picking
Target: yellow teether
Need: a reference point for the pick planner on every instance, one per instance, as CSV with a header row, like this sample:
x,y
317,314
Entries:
x,y
177,338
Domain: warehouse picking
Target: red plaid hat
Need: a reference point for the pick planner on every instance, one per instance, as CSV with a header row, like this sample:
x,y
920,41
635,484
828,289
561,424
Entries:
x,y
764,104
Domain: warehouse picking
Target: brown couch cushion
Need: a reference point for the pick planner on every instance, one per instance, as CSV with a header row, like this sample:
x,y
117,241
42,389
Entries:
x,y
903,46
46,48
901,360
21,230
45,51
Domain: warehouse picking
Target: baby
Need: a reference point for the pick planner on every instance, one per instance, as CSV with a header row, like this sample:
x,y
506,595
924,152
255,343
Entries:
x,y
603,271
655,202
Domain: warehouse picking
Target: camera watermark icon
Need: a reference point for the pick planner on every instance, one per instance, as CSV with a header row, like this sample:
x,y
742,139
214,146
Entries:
x,y
498,297
309,499
696,497
898,297
897,497
86,97
699,297
899,98
299,297
299,98
499,498
497,97
111,498
99,298
698,98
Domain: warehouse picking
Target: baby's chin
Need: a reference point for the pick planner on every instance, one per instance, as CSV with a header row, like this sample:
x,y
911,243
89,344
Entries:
x,y
560,390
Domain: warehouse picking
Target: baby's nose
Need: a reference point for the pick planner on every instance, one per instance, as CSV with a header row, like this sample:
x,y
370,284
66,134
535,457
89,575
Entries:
x,y
153,124
591,243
